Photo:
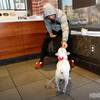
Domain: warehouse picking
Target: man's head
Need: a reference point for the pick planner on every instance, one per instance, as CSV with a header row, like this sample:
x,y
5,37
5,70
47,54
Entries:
x,y
52,17
49,11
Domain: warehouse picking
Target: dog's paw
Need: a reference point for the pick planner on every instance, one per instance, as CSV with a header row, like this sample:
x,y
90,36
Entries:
x,y
67,94
59,93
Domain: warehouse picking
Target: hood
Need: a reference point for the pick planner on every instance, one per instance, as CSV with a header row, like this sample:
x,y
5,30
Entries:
x,y
48,9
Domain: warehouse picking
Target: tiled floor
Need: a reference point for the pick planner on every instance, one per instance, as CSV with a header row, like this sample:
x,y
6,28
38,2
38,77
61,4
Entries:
x,y
20,81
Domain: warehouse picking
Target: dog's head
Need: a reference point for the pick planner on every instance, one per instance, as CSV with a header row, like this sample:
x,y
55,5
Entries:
x,y
62,54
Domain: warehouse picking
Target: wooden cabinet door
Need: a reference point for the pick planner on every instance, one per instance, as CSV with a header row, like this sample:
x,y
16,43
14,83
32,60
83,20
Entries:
x,y
33,35
11,44
21,38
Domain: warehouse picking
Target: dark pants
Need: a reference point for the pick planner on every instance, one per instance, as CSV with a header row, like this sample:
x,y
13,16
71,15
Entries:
x,y
70,44
48,39
46,42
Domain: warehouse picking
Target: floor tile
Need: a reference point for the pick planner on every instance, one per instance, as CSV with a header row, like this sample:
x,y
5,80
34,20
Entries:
x,y
21,67
10,94
78,80
36,91
3,72
61,97
26,77
86,73
31,82
85,91
98,81
48,71
6,83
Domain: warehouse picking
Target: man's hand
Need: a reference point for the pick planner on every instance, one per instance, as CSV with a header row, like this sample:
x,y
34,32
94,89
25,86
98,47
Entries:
x,y
64,44
52,35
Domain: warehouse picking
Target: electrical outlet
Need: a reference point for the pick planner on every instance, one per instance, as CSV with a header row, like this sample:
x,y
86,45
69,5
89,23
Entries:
x,y
92,48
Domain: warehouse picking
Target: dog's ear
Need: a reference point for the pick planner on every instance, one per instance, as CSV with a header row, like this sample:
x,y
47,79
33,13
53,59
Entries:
x,y
56,54
68,53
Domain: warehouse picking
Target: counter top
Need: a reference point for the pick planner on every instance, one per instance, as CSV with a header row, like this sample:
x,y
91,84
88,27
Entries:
x,y
20,20
94,27
88,33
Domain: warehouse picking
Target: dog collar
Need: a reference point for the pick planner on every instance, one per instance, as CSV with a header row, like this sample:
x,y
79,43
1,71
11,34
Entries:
x,y
60,58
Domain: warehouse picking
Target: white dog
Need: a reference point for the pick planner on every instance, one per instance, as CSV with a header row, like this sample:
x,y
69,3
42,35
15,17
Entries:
x,y
63,69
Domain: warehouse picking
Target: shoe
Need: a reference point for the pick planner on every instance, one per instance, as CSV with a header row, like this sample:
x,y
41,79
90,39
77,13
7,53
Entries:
x,y
72,63
38,65
59,93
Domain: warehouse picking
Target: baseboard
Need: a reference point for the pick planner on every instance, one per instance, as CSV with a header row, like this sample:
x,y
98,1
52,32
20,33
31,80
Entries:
x,y
18,59
87,64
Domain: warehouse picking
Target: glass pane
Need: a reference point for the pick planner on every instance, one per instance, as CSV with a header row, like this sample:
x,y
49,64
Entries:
x,y
13,4
1,5
20,5
4,3
82,16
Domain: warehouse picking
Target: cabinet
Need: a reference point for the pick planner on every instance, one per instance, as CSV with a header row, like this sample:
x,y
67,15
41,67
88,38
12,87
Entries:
x,y
86,50
21,38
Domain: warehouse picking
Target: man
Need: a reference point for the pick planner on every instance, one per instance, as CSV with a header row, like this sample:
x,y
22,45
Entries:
x,y
56,25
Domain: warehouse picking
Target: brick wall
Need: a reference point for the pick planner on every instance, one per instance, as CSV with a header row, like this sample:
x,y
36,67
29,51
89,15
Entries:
x,y
54,2
37,5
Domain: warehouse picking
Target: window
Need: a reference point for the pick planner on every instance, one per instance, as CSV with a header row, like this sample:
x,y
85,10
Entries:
x,y
13,4
89,15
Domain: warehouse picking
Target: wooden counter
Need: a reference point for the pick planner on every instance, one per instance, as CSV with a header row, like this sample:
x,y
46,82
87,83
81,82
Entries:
x,y
21,38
